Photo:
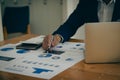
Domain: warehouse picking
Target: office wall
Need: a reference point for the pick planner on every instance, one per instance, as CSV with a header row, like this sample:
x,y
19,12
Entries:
x,y
46,18
45,15
1,29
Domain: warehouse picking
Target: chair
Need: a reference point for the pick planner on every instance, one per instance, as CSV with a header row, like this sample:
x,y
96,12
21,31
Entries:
x,y
16,19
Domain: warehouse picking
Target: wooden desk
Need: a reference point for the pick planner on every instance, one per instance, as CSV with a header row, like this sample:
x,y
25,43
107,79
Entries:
x,y
80,71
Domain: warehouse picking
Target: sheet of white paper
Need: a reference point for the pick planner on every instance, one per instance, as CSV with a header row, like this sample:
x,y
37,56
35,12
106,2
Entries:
x,y
34,63
34,40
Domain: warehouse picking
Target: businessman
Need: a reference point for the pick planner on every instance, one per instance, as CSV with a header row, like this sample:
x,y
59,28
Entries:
x,y
86,11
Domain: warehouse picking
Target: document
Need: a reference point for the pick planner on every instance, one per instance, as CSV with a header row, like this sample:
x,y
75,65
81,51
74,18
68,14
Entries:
x,y
37,63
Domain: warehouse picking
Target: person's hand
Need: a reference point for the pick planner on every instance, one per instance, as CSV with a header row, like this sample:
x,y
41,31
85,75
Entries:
x,y
47,41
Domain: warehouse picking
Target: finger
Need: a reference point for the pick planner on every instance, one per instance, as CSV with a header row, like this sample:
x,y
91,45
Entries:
x,y
50,39
46,42
56,40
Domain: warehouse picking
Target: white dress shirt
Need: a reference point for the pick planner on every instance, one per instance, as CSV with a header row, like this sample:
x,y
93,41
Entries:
x,y
105,11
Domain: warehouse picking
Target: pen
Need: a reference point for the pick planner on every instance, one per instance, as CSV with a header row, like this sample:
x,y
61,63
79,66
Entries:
x,y
49,45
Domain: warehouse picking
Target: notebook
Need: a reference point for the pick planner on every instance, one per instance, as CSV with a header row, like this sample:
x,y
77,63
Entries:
x,y
102,42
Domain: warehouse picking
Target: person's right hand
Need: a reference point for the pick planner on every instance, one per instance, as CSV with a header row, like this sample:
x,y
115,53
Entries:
x,y
47,41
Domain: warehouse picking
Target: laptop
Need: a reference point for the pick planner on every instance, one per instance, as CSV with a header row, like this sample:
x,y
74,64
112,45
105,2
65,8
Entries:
x,y
102,42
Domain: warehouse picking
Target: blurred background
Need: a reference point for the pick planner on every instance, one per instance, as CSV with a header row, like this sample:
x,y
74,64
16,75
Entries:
x,y
45,15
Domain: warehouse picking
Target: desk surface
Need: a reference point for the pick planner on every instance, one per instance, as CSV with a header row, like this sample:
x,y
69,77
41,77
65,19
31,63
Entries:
x,y
80,71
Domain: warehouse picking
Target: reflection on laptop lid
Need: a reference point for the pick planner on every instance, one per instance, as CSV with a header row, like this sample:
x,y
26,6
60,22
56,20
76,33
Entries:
x,y
102,42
